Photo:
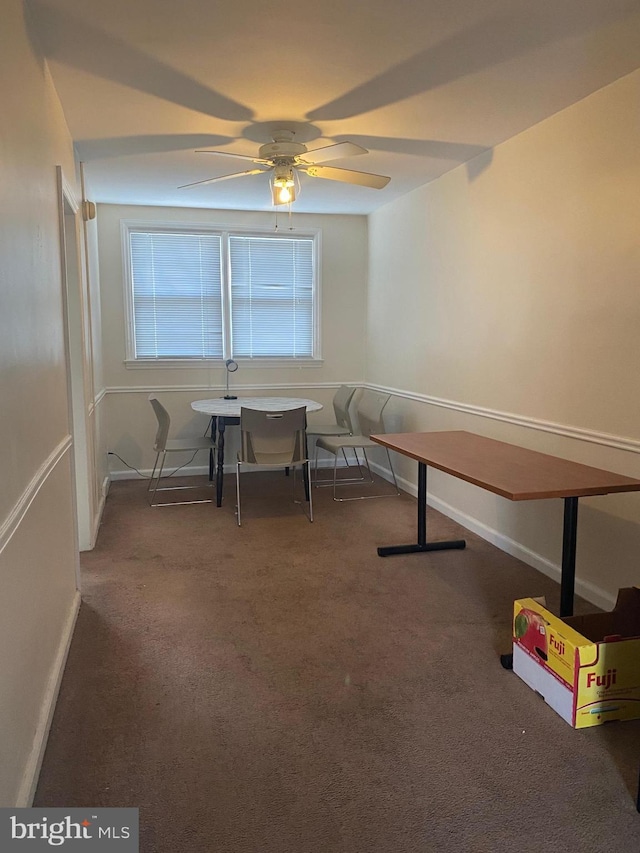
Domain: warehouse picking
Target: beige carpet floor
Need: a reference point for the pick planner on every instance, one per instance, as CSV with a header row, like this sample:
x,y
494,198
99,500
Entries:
x,y
279,688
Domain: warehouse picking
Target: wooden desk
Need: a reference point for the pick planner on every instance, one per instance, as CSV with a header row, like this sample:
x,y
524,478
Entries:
x,y
225,411
513,472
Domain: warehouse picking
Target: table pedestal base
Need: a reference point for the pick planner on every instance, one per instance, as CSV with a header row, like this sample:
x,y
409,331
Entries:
x,y
416,548
421,545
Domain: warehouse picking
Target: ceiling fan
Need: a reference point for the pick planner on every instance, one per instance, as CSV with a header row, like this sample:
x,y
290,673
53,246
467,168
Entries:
x,y
286,158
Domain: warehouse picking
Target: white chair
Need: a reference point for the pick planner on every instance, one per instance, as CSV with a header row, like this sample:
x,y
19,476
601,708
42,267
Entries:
x,y
343,426
369,413
272,440
164,445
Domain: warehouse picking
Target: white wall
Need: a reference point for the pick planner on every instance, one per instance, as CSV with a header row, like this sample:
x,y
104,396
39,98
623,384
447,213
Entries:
x,y
131,424
504,299
38,553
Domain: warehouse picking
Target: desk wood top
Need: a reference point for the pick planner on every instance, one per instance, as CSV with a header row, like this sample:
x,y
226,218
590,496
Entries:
x,y
505,469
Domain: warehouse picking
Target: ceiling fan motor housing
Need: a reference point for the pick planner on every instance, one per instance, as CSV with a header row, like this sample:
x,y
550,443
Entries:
x,y
281,150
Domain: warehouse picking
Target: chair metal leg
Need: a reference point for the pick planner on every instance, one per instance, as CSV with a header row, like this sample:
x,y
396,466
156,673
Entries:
x,y
293,491
308,464
350,481
155,488
371,480
153,473
393,473
335,472
238,494
366,462
154,484
362,477
359,466
344,481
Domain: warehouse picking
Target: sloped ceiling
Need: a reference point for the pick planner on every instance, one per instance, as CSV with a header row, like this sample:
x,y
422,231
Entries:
x,y
424,85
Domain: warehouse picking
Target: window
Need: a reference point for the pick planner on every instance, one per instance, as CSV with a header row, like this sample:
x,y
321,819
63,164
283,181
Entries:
x,y
177,295
197,293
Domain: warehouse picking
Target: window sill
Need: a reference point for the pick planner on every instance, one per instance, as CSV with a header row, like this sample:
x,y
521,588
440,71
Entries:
x,y
200,363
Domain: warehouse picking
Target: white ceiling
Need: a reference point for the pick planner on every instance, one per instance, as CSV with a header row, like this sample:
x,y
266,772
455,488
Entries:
x,y
424,85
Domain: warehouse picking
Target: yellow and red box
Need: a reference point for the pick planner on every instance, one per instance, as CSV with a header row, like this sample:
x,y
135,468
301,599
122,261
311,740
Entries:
x,y
587,668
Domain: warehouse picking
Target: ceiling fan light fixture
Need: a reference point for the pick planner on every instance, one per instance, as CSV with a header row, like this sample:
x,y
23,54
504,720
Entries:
x,y
283,187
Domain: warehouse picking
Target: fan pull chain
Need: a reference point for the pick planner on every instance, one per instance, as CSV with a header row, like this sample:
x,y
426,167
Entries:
x,y
291,228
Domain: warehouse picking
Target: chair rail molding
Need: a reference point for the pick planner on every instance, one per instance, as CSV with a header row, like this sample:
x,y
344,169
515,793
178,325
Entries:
x,y
618,442
13,520
212,389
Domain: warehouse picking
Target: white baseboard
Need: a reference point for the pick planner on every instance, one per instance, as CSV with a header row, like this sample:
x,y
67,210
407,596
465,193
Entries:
x,y
126,474
29,782
97,521
197,470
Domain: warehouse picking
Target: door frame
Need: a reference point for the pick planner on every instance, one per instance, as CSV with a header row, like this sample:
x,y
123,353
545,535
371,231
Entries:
x,y
77,364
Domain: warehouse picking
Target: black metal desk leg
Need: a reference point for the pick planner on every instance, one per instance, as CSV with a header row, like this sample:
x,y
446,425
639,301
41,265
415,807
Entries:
x,y
422,504
569,538
421,544
568,577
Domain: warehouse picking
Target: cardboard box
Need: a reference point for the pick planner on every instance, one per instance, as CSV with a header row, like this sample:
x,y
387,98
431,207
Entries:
x,y
587,668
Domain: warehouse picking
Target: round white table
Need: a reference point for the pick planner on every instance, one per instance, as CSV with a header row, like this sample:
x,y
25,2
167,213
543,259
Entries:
x,y
224,411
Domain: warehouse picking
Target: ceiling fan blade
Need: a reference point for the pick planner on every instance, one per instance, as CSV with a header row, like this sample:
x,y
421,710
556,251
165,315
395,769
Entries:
x,y
237,156
224,178
333,152
440,149
364,179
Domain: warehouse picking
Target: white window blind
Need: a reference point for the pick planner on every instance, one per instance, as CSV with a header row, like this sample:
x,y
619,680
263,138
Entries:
x,y
177,295
271,297
199,293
